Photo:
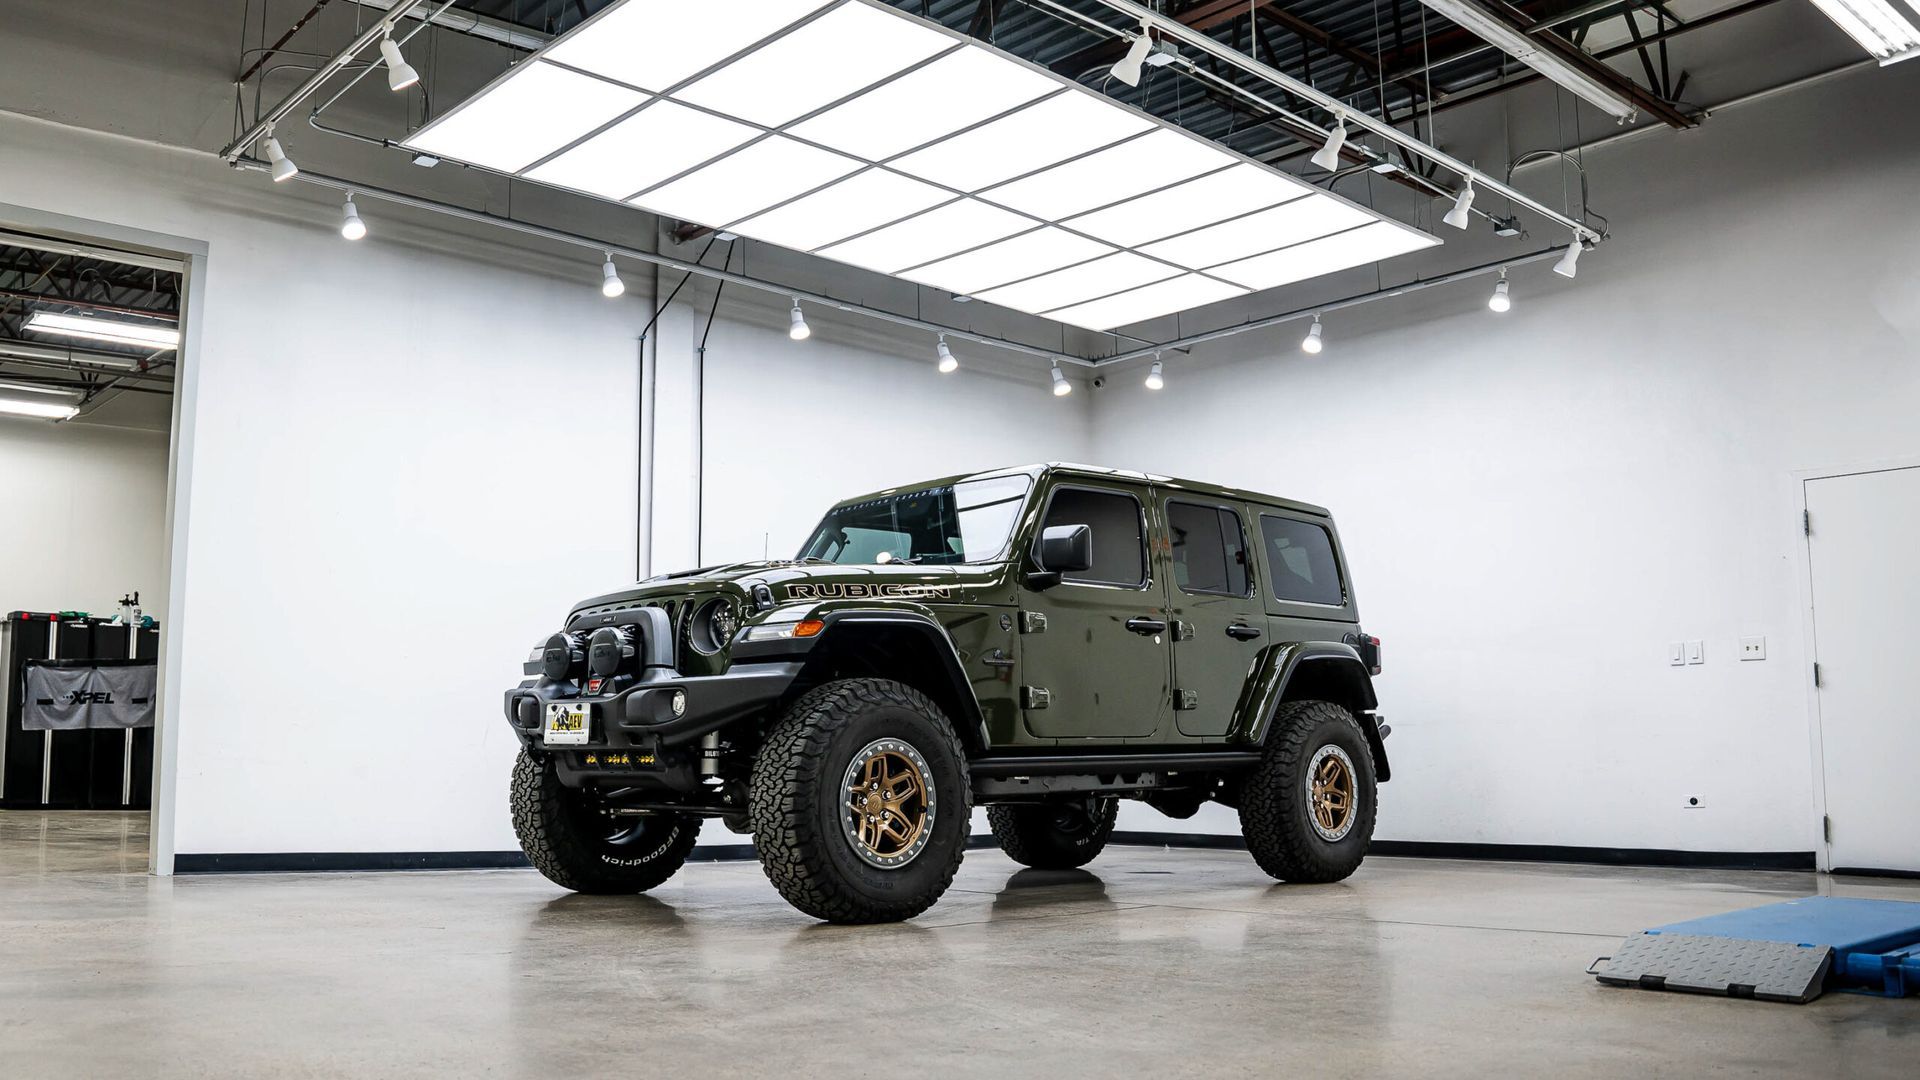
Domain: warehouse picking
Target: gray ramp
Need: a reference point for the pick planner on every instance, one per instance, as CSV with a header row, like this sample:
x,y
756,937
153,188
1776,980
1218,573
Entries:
x,y
1768,970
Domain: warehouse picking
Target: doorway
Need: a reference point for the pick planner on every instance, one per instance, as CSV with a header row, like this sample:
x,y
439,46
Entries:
x,y
1863,545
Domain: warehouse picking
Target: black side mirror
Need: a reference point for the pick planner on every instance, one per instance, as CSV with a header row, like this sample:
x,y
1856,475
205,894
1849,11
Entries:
x,y
1066,549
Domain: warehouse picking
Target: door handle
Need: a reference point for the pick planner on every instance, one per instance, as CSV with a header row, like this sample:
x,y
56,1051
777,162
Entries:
x,y
1243,632
1144,626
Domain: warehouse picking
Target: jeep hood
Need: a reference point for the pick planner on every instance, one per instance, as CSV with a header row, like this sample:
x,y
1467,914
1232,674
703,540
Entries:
x,y
782,575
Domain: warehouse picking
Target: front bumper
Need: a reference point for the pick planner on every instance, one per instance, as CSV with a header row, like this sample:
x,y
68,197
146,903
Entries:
x,y
639,716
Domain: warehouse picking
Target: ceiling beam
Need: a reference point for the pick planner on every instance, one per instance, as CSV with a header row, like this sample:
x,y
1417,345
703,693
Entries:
x,y
1589,65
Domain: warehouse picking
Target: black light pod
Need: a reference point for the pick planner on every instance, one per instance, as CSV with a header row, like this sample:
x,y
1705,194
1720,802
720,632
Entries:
x,y
610,651
565,656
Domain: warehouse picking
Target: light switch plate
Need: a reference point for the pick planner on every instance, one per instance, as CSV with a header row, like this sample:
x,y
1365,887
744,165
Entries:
x,y
1696,652
1753,648
1676,653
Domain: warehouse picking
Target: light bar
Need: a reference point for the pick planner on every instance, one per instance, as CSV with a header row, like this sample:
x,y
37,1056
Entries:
x,y
1492,30
151,335
1881,28
858,132
45,410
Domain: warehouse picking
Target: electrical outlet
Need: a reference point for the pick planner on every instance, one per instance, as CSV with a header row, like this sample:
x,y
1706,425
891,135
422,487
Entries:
x,y
1696,652
1676,653
1753,648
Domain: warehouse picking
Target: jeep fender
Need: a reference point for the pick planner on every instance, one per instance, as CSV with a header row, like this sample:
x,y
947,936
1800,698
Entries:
x,y
1320,670
893,626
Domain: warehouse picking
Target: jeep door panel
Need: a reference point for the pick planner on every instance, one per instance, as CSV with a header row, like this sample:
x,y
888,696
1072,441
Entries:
x,y
1219,623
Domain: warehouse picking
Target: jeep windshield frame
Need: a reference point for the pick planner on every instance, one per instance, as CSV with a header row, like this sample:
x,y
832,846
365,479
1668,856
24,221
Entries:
x,y
965,522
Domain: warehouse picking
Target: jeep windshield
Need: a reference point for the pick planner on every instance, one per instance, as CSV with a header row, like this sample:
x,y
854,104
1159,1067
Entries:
x,y
967,522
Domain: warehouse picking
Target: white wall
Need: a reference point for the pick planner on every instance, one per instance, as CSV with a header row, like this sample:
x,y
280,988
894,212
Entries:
x,y
85,513
1535,504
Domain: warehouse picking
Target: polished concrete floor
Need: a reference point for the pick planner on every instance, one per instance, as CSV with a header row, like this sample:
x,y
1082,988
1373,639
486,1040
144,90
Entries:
x,y
1153,962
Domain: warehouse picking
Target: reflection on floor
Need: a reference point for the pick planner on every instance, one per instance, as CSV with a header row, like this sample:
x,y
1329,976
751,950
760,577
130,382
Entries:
x,y
1149,962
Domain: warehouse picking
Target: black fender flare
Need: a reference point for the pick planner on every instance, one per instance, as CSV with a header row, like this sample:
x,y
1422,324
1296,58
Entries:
x,y
842,623
1328,664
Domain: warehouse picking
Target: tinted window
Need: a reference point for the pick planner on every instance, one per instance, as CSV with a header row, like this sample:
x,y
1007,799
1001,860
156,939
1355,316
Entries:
x,y
1300,557
968,522
1209,551
1119,549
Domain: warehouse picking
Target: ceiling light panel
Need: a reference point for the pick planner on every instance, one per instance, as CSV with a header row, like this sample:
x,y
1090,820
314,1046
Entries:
x,y
1151,301
747,181
1121,172
1037,136
961,88
1024,256
1076,284
860,202
1290,223
654,44
144,333
844,51
536,109
1366,244
1189,205
957,226
652,145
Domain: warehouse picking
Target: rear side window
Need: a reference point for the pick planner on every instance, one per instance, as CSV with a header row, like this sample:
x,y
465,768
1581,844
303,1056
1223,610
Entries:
x,y
1300,556
1119,543
1209,550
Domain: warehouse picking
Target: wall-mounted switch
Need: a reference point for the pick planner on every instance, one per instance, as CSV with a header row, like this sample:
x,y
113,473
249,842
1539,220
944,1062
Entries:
x,y
1753,648
1696,653
1676,653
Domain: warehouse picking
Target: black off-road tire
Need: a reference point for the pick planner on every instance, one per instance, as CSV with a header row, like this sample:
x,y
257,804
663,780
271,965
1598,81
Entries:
x,y
1053,836
796,802
579,848
1275,815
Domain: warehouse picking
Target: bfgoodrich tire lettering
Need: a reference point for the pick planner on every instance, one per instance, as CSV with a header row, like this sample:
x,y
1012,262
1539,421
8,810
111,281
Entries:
x,y
799,802
1315,751
1053,836
578,847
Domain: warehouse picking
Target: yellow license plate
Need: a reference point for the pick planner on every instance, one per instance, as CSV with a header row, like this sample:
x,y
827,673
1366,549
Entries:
x,y
568,725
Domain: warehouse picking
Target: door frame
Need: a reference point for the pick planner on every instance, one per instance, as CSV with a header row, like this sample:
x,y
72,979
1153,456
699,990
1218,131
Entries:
x,y
1803,576
191,254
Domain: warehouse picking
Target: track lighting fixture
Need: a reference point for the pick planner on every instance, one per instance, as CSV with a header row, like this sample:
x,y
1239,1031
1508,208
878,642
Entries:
x,y
1500,301
1061,387
1328,156
400,74
283,166
948,365
797,327
1155,380
610,283
1311,343
1570,262
1461,214
1128,69
351,226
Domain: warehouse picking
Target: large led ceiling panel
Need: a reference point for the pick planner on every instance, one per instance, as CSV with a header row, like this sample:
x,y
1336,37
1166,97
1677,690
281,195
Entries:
x,y
858,132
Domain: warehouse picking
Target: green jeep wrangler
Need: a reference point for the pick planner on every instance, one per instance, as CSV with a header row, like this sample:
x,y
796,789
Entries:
x,y
1040,641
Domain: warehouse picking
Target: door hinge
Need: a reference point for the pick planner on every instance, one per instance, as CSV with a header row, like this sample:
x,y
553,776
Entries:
x,y
1816,674
1806,522
1826,827
1034,697
1033,622
1186,700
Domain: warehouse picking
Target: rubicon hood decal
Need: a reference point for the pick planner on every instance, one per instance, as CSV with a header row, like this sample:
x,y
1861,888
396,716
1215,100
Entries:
x,y
864,590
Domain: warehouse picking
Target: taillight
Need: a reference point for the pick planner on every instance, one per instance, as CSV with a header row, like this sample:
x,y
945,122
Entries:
x,y
1373,654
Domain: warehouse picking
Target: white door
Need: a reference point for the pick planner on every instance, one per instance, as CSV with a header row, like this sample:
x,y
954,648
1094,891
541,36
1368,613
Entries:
x,y
1864,546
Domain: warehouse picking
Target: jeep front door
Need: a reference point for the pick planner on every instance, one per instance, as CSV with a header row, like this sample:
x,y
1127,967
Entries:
x,y
1094,659
1217,622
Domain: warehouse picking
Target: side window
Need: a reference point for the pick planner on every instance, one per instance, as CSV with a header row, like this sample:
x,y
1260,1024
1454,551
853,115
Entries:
x,y
1119,547
1209,550
1300,556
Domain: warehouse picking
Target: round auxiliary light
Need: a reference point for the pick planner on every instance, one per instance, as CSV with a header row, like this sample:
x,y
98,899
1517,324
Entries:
x,y
609,650
678,703
563,657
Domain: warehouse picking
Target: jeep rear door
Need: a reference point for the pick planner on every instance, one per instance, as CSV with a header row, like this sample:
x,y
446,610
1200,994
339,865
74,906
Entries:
x,y
1218,622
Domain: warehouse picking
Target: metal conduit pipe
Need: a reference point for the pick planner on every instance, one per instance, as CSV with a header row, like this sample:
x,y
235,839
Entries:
x,y
480,26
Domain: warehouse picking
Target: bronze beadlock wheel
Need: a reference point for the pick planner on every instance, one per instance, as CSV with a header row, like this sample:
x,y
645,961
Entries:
x,y
1330,801
889,803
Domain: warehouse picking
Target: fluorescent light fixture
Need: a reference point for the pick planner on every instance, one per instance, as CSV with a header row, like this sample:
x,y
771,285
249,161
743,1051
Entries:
x,y
535,109
747,181
856,204
664,139
1477,21
1313,343
1128,69
1328,156
960,89
1569,263
1368,243
1291,223
45,410
150,335
1151,301
610,283
351,227
1039,135
283,166
1156,376
797,327
1228,193
942,231
840,53
948,365
1061,387
1036,252
400,74
654,44
1077,284
1117,173
33,388
1881,28
1500,301
1462,212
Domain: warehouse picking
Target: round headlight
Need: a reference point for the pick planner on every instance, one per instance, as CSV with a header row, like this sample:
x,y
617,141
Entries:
x,y
713,626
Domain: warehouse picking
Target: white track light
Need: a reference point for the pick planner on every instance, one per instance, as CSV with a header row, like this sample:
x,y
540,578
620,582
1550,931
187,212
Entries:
x,y
1155,380
610,283
1460,215
1328,156
1500,301
1128,69
1570,262
1312,343
351,226
400,74
948,365
283,166
797,327
1061,387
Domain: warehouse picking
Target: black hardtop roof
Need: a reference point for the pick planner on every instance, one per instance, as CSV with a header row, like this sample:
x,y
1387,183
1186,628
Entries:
x,y
1096,472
